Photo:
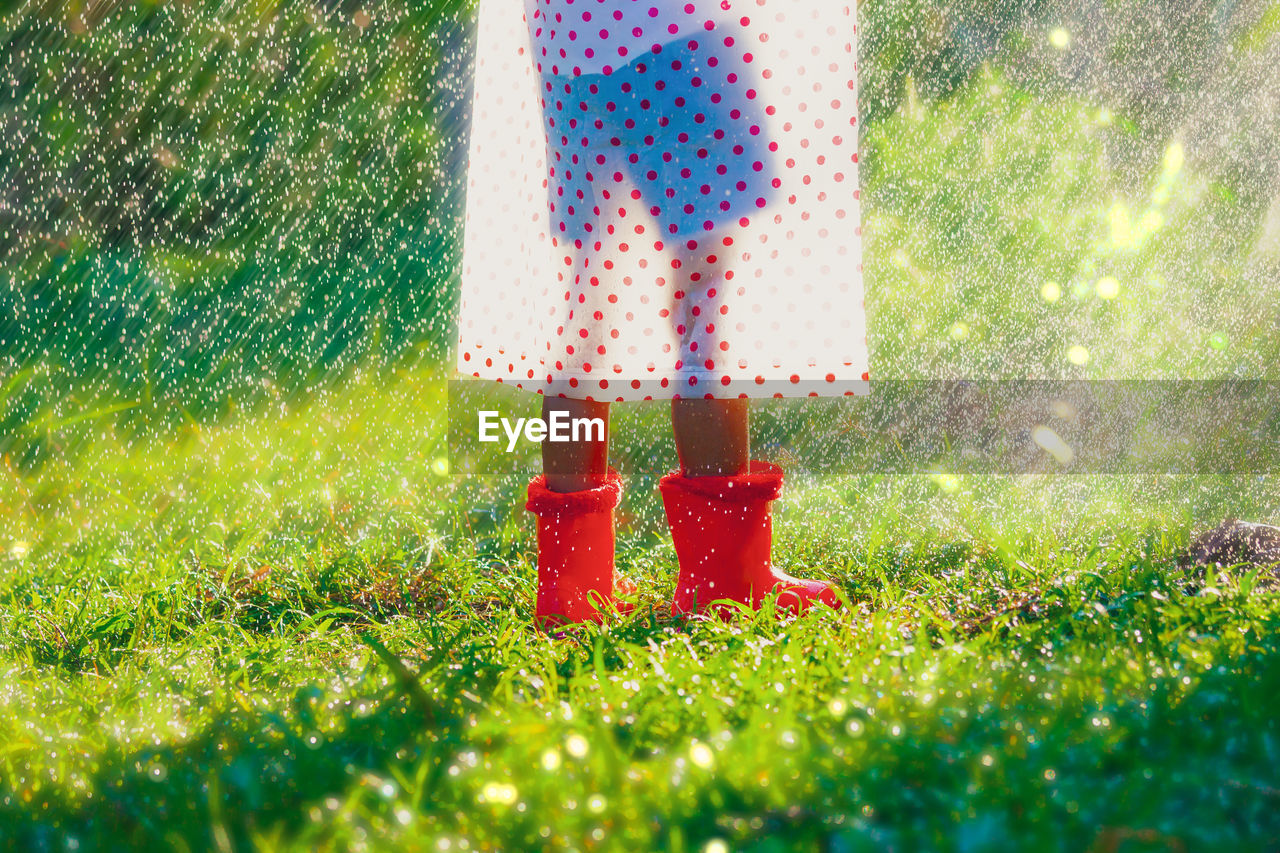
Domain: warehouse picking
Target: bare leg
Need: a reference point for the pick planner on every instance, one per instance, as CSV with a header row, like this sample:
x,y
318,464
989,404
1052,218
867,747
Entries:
x,y
722,534
577,465
712,439
711,435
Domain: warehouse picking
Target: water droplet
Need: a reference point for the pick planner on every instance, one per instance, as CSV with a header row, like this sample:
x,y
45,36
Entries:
x,y
498,793
576,745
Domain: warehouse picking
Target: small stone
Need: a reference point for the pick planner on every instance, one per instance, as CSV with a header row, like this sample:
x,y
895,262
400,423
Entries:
x,y
1243,544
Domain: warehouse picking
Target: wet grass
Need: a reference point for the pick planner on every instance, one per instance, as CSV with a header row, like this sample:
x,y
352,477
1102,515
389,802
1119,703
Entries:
x,y
294,629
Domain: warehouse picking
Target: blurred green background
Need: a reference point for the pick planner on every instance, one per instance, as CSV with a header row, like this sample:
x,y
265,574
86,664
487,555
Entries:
x,y
201,199
207,203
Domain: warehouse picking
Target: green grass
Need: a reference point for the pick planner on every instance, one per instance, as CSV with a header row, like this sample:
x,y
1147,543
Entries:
x,y
292,629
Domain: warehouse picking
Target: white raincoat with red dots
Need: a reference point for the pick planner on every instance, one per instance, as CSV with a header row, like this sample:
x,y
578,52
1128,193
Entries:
x,y
662,200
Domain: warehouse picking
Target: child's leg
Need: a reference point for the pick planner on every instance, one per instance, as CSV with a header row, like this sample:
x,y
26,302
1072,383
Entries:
x,y
577,465
718,510
575,509
712,439
711,435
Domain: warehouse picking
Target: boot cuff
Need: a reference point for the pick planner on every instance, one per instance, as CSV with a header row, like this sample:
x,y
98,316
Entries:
x,y
543,501
762,482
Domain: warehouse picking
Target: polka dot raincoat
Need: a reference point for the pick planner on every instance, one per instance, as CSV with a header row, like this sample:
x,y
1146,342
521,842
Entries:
x,y
662,200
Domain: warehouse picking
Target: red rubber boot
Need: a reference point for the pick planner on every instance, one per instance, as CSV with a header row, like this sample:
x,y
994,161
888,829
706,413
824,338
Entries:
x,y
722,528
575,551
